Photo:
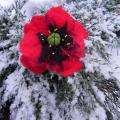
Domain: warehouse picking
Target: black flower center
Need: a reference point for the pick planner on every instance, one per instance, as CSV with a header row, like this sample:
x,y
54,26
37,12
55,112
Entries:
x,y
54,44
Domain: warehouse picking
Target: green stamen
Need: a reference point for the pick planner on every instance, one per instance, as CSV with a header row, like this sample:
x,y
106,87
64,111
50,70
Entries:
x,y
54,39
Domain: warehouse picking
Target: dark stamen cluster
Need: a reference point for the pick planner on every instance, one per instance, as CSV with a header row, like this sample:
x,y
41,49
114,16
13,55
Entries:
x,y
53,44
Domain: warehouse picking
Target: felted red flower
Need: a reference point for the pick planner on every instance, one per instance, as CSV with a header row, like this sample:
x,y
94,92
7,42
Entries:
x,y
55,42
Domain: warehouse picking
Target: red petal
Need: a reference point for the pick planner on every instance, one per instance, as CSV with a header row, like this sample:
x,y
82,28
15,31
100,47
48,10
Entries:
x,y
30,46
59,17
32,66
78,51
79,33
77,54
28,27
70,66
37,24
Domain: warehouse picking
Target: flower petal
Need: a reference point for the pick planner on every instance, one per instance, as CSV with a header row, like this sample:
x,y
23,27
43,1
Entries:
x,y
78,51
79,33
30,46
70,66
32,66
28,27
58,17
37,24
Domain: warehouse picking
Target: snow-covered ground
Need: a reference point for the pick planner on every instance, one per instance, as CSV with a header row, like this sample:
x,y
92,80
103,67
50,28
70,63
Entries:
x,y
26,111
32,3
6,3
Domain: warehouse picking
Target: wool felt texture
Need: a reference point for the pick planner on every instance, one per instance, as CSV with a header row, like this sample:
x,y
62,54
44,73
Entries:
x,y
53,42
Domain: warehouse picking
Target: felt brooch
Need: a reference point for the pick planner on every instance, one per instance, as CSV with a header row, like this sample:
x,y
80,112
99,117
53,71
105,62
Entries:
x,y
53,42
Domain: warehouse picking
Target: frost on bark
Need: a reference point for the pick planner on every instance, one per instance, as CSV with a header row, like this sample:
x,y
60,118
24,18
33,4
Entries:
x,y
93,93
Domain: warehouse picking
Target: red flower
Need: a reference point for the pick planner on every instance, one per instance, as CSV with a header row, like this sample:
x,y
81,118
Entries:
x,y
54,41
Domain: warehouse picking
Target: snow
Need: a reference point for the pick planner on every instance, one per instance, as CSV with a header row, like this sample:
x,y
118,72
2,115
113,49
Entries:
x,y
115,61
31,3
70,80
77,115
6,3
113,68
26,97
99,94
34,5
99,114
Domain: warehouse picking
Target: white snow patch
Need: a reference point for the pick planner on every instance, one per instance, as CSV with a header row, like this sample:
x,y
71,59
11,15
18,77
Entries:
x,y
98,114
115,63
77,116
99,93
33,5
70,80
6,3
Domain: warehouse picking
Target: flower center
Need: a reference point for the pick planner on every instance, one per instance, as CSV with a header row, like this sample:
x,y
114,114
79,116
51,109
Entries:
x,y
54,39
